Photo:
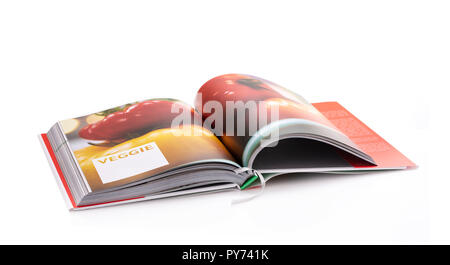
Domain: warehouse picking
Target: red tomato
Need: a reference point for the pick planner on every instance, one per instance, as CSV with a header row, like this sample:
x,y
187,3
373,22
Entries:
x,y
291,109
233,87
136,119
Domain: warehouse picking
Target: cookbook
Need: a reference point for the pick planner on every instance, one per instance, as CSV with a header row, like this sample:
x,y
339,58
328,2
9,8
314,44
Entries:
x,y
241,131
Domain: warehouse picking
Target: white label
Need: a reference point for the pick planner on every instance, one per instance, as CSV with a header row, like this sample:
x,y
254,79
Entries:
x,y
129,163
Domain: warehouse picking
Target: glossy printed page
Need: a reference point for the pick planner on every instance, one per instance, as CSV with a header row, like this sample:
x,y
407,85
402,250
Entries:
x,y
266,110
384,154
138,140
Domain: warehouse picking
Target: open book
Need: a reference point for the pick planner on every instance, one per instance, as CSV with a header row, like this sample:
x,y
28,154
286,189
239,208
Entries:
x,y
242,131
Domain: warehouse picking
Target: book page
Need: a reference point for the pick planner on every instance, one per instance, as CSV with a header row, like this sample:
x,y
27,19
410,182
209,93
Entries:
x,y
383,153
229,102
138,140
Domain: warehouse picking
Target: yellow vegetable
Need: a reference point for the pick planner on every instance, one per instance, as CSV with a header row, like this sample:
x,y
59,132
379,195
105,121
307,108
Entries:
x,y
187,144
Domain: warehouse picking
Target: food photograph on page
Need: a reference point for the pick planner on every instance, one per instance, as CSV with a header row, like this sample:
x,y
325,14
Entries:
x,y
240,132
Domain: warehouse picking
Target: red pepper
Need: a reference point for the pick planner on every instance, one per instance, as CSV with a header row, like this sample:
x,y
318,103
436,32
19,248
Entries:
x,y
135,120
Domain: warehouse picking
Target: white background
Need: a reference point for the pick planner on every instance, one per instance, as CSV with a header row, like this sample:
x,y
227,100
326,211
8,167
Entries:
x,y
388,62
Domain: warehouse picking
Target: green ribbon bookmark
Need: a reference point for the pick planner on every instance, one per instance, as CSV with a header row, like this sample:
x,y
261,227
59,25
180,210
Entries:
x,y
248,182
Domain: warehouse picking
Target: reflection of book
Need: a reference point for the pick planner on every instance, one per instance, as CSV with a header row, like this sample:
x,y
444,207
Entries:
x,y
163,147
